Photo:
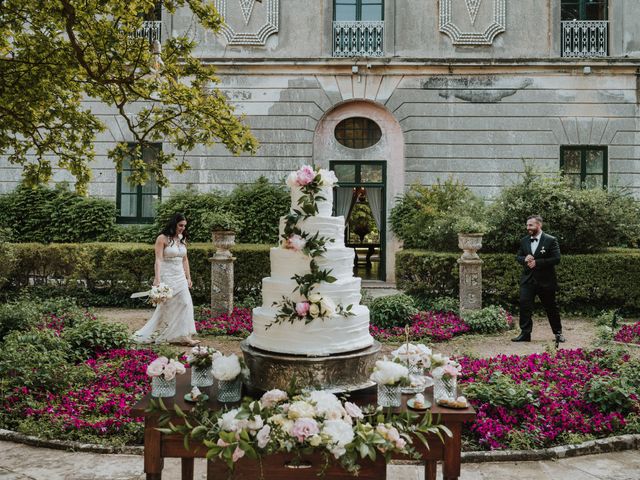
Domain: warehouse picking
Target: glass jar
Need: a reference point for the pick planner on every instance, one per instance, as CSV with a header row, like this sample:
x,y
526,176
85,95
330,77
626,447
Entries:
x,y
417,382
445,388
201,377
163,388
389,395
230,390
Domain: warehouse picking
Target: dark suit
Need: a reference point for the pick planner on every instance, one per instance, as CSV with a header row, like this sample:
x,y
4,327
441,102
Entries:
x,y
540,280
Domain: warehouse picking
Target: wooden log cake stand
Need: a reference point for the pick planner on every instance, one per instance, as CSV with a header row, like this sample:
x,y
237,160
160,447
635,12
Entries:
x,y
158,446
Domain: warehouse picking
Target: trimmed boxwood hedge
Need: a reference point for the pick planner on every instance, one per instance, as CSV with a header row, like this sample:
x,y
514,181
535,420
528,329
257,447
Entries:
x,y
587,282
105,274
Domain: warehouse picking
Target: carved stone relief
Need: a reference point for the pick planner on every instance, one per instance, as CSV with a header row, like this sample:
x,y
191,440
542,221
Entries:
x,y
472,22
247,23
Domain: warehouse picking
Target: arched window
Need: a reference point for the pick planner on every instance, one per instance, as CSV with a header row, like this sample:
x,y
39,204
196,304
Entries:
x,y
358,132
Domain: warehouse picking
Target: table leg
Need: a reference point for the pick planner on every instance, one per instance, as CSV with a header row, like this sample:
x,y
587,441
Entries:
x,y
211,474
187,469
430,469
452,446
153,461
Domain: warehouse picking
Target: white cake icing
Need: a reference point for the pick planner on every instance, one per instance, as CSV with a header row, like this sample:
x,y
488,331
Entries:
x,y
321,336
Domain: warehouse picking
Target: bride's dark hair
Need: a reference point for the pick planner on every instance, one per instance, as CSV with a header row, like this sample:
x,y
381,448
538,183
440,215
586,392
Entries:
x,y
171,228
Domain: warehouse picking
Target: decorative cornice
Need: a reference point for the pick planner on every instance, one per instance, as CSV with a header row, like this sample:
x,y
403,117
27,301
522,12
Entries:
x,y
458,37
270,25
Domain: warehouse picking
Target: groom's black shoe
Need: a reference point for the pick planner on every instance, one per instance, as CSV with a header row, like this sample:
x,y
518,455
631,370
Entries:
x,y
560,338
523,337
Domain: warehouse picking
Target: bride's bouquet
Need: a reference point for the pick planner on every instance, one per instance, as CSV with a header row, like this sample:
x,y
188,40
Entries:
x,y
157,295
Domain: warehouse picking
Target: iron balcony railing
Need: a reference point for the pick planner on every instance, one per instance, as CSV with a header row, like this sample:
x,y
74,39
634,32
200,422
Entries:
x,y
585,38
358,39
151,30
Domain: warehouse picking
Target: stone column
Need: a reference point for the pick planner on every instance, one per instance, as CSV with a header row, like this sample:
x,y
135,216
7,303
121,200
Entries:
x,y
222,273
470,271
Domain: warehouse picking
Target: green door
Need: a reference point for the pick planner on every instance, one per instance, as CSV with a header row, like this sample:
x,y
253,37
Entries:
x,y
360,197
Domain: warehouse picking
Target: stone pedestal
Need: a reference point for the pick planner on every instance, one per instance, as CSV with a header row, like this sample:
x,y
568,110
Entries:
x,y
470,272
222,273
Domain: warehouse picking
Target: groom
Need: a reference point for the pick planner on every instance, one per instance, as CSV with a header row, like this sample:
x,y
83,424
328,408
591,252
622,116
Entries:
x,y
539,254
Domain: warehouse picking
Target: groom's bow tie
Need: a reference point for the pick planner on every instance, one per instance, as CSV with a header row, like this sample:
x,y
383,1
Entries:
x,y
534,240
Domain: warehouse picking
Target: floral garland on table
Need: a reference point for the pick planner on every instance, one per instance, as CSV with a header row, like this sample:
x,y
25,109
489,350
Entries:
x,y
294,238
315,420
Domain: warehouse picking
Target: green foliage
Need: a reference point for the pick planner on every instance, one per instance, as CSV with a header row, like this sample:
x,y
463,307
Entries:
x,y
491,319
596,281
429,216
524,439
38,359
17,316
47,215
438,304
585,220
611,394
392,310
105,274
7,255
501,390
90,337
57,54
221,221
260,206
609,318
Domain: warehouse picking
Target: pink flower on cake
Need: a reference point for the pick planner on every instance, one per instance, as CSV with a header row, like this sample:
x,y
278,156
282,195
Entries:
x,y
304,428
305,175
302,308
295,242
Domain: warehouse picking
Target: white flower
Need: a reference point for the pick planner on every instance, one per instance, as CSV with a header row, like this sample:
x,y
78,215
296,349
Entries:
x,y
292,179
340,434
353,410
315,440
314,310
439,360
327,177
301,409
296,243
256,424
238,453
263,436
228,421
170,371
272,397
389,373
327,404
437,372
180,368
414,354
315,298
155,368
328,307
226,368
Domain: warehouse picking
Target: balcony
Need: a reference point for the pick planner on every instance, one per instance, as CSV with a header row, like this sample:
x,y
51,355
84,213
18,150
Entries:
x,y
585,38
358,39
151,30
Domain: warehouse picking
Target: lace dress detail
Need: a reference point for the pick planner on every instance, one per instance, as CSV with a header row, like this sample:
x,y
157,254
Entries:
x,y
172,321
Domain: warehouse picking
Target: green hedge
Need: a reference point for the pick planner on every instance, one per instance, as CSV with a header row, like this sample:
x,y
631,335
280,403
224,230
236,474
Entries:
x,y
587,282
105,274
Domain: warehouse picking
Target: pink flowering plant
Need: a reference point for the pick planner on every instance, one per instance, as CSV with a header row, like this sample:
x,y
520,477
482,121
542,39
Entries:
x,y
435,326
313,421
238,323
628,334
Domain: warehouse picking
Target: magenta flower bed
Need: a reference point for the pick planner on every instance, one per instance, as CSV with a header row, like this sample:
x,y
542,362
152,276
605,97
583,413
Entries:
x,y
436,326
102,405
559,380
239,323
629,334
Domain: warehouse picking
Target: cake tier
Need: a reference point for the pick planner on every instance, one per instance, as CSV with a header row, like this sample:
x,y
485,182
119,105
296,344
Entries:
x,y
287,263
345,291
329,227
325,207
320,337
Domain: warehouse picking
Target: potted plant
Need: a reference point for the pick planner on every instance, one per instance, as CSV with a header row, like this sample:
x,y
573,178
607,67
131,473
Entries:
x,y
228,371
470,232
390,377
224,226
200,360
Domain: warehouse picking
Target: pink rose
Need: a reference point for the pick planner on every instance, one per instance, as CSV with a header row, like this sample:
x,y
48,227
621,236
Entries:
x,y
353,410
273,397
305,175
450,370
296,243
393,435
155,368
302,308
304,428
238,453
170,371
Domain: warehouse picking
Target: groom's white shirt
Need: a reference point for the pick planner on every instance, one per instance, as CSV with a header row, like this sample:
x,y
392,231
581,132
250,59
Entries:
x,y
534,245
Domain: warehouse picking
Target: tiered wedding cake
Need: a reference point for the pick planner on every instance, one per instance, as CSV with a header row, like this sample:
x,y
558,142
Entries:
x,y
311,302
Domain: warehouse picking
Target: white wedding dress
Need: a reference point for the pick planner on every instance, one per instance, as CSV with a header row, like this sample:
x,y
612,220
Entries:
x,y
172,321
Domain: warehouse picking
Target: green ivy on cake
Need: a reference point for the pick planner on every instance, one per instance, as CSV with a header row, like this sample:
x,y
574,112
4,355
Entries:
x,y
311,183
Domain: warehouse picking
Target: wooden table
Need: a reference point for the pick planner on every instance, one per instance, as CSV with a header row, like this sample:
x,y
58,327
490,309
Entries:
x,y
371,249
158,446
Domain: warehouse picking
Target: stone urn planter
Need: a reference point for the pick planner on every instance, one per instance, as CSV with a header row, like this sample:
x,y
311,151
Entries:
x,y
223,240
470,243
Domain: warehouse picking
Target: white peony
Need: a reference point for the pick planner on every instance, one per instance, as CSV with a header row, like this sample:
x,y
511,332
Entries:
x,y
292,180
437,372
328,307
327,177
155,368
263,436
273,397
389,373
414,354
228,421
256,424
180,368
353,410
170,370
226,368
296,243
301,409
340,434
327,404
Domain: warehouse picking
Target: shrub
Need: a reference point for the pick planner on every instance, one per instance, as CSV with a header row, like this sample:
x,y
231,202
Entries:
x,y
611,394
587,282
428,217
583,220
438,304
18,316
392,310
91,337
501,390
260,206
491,319
47,215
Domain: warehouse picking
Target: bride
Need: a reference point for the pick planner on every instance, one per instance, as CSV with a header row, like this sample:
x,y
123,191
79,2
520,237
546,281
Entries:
x,y
172,321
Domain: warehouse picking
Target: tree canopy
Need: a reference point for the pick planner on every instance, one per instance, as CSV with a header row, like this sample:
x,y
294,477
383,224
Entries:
x,y
55,54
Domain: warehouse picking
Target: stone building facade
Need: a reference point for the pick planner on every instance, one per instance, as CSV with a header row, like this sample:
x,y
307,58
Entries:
x,y
391,93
